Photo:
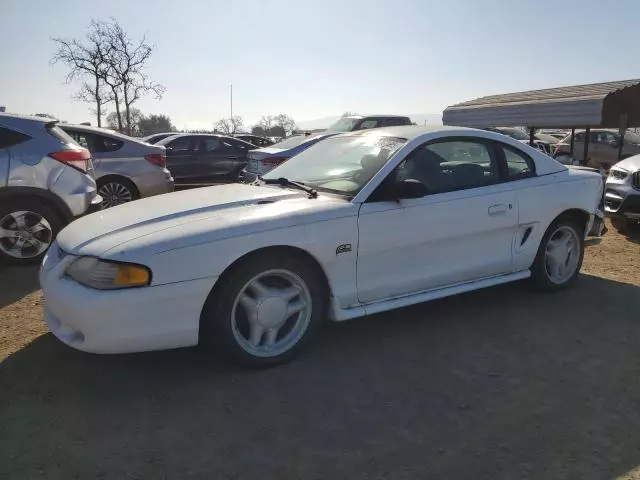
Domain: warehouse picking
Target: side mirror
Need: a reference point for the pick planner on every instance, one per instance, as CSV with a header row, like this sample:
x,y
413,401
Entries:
x,y
614,143
410,188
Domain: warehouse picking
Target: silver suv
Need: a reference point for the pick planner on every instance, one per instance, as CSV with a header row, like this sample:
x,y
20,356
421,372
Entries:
x,y
622,193
45,183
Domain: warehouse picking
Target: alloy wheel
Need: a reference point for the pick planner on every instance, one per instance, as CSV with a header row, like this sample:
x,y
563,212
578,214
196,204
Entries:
x,y
114,193
24,234
562,254
271,313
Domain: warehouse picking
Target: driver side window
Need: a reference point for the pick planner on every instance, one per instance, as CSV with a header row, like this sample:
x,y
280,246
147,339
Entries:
x,y
451,165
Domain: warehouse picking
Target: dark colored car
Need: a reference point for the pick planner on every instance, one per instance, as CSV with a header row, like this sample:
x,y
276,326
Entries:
x,y
205,159
264,159
156,137
359,122
256,140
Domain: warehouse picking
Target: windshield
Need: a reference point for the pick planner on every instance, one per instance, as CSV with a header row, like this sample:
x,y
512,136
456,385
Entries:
x,y
340,164
345,124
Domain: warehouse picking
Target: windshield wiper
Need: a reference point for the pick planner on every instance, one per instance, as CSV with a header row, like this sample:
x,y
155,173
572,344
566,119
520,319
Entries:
x,y
285,182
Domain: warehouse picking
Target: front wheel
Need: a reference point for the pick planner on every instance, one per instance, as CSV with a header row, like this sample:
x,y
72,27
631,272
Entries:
x,y
266,310
559,256
27,229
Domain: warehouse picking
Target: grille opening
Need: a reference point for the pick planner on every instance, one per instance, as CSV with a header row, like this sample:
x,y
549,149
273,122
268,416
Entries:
x,y
525,236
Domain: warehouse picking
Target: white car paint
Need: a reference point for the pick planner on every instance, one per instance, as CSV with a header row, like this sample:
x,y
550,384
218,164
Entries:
x,y
399,253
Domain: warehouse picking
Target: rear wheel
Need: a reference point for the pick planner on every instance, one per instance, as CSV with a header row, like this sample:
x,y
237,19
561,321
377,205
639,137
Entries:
x,y
559,256
265,311
116,191
27,229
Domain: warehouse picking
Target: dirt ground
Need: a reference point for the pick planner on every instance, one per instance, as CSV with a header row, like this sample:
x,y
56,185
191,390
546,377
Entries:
x,y
503,383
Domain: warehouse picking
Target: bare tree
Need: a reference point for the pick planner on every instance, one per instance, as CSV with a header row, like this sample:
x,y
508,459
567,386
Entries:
x,y
286,122
266,122
349,114
229,126
87,62
125,72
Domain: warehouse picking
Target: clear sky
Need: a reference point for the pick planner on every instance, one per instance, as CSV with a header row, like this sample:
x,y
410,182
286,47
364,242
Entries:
x,y
314,59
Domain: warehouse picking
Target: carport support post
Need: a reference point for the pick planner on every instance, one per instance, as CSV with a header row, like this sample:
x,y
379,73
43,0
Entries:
x,y
587,132
622,129
532,136
573,141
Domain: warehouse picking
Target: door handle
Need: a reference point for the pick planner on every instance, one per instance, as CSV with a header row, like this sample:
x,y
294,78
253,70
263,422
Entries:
x,y
499,209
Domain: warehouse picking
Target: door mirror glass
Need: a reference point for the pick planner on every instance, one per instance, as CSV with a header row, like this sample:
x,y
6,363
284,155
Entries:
x,y
410,188
613,142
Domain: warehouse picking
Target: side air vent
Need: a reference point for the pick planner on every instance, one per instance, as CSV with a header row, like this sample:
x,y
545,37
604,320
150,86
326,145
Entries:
x,y
525,236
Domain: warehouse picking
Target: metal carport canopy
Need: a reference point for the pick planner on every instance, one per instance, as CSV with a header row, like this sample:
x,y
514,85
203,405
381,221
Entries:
x,y
595,105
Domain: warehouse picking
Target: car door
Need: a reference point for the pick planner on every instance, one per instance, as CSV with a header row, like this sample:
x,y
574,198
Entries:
x,y
218,160
463,230
182,161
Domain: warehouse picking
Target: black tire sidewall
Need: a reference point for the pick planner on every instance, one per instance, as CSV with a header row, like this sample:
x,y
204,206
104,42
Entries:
x,y
539,273
216,329
36,206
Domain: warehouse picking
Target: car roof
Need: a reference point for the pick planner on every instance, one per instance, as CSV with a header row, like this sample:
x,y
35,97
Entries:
x,y
98,130
409,131
16,120
382,115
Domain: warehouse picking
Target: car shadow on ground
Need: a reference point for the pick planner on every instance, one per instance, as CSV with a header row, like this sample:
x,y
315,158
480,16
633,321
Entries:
x,y
23,281
632,233
497,384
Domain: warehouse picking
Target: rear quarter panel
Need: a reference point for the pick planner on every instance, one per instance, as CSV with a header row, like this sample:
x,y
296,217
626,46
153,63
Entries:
x,y
542,199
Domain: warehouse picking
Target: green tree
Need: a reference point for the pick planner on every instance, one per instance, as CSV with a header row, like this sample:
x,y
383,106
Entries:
x,y
148,125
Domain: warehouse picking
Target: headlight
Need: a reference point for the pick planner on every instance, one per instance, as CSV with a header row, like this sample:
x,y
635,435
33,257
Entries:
x,y
618,174
108,275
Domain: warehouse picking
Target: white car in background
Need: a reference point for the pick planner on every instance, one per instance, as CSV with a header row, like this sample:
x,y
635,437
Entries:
x,y
357,224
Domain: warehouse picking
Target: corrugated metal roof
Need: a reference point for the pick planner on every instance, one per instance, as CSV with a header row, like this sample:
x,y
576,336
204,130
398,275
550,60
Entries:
x,y
596,104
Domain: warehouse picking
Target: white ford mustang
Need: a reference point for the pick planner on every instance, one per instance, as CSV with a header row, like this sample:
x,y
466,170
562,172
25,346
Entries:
x,y
357,224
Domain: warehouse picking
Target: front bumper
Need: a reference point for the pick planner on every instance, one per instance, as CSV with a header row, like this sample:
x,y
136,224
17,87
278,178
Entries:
x,y
622,202
120,321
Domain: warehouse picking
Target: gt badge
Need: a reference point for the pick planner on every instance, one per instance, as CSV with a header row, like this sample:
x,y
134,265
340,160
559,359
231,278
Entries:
x,y
345,247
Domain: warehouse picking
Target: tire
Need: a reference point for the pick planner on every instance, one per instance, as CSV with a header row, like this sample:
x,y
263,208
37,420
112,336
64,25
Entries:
x,y
116,191
40,223
620,224
548,256
226,325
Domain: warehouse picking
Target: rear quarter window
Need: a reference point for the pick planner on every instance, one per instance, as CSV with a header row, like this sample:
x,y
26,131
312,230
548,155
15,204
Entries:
x,y
9,138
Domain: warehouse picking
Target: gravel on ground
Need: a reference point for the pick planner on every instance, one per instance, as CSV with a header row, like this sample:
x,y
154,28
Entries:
x,y
502,383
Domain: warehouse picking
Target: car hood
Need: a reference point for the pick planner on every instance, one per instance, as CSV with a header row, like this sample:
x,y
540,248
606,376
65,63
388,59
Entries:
x,y
180,219
630,164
